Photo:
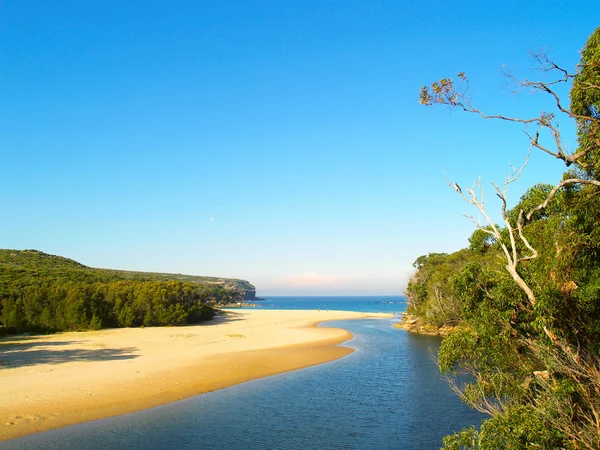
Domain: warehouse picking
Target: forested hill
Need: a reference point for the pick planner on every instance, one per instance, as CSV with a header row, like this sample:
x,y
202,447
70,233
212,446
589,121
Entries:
x,y
41,292
18,265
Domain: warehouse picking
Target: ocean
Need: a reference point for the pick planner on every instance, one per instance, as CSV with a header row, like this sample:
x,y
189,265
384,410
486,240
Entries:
x,y
389,303
387,394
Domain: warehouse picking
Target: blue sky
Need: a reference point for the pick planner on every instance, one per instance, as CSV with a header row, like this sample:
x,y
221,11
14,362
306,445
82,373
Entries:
x,y
277,141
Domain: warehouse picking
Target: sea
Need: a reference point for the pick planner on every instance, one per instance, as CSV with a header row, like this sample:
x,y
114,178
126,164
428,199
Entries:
x,y
387,394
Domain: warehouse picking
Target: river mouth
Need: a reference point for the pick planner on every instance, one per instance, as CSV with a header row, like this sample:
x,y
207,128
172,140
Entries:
x,y
388,393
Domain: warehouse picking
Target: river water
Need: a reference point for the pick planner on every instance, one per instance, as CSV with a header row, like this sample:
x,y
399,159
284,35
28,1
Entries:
x,y
388,394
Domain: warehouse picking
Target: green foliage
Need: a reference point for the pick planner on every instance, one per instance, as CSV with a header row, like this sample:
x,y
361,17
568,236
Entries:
x,y
22,264
519,428
534,196
481,240
45,293
532,358
426,291
440,291
465,439
54,306
585,101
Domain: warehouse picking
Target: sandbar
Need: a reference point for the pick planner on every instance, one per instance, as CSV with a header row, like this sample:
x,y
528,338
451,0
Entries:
x,y
52,381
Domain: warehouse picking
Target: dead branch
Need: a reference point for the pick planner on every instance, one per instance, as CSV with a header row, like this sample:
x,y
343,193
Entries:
x,y
581,423
446,92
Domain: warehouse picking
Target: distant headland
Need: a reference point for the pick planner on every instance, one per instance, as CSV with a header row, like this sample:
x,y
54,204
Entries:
x,y
44,293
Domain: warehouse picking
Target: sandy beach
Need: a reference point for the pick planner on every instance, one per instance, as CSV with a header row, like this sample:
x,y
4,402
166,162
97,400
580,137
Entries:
x,y
67,378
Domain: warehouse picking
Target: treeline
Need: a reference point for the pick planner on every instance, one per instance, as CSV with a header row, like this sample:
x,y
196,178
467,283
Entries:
x,y
525,294
46,293
529,362
17,265
449,289
49,306
446,287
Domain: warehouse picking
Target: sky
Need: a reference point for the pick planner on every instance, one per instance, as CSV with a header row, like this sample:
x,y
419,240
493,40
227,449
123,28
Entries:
x,y
277,141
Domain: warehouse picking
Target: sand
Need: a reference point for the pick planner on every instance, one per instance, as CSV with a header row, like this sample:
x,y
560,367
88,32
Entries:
x,y
52,381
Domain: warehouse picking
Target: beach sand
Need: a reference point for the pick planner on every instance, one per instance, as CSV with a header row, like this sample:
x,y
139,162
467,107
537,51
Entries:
x,y
52,381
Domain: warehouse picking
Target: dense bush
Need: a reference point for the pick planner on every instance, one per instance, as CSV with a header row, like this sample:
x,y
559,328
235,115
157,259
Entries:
x,y
44,293
526,293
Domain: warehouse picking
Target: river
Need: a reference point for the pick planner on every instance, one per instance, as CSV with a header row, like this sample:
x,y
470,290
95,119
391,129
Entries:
x,y
388,394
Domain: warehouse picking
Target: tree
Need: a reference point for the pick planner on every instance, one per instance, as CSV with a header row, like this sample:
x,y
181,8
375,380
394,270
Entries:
x,y
585,105
532,342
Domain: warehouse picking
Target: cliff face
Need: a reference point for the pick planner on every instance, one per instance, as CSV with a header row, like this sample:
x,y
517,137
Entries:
x,y
250,294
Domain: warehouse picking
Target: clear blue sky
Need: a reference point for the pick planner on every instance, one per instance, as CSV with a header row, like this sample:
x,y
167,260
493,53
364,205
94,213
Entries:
x,y
277,141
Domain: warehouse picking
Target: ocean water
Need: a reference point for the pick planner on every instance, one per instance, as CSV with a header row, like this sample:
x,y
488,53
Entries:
x,y
388,394
389,303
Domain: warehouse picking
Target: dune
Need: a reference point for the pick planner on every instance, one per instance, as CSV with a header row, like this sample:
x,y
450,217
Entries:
x,y
68,378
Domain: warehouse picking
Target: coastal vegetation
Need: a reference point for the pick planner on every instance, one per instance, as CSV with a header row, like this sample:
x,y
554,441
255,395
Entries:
x,y
525,294
46,293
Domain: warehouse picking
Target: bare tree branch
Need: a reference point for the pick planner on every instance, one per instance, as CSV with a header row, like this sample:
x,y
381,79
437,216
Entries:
x,y
446,92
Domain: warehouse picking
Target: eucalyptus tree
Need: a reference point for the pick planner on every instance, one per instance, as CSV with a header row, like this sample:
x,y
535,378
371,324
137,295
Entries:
x,y
532,341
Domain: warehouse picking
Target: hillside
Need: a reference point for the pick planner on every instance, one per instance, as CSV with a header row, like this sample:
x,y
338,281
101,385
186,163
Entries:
x,y
41,292
24,266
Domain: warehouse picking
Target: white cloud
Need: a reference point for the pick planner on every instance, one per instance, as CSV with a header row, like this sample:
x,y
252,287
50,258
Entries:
x,y
391,282
311,279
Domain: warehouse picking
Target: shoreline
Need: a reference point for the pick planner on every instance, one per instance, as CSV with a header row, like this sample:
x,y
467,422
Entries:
x,y
413,324
52,381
